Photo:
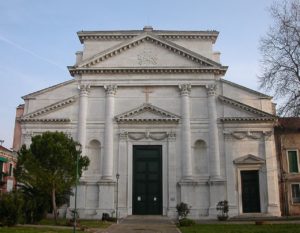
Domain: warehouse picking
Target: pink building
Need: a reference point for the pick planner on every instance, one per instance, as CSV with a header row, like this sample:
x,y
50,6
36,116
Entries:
x,y
8,161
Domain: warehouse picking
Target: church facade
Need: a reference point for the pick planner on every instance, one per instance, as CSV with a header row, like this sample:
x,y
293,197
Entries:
x,y
153,107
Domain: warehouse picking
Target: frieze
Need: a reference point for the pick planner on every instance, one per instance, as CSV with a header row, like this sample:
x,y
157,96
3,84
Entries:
x,y
240,135
157,136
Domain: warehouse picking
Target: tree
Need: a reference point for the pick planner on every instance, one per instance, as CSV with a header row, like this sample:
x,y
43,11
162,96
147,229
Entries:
x,y
280,49
48,166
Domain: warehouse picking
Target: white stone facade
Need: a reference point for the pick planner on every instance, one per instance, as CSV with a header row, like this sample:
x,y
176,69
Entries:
x,y
150,87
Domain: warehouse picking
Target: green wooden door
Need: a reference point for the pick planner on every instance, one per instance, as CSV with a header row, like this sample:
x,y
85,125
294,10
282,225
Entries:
x,y
147,180
250,191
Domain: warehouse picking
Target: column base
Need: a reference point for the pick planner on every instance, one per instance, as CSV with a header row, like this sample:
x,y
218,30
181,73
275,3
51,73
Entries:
x,y
106,197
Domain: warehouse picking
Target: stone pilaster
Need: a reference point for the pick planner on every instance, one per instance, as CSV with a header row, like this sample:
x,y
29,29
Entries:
x,y
107,166
186,155
272,178
83,107
214,151
172,192
123,172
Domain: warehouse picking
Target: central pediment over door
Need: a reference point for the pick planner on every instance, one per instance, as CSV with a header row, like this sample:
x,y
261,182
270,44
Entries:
x,y
147,113
147,50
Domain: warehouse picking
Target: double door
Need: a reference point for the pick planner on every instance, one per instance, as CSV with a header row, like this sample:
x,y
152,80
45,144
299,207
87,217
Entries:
x,y
147,180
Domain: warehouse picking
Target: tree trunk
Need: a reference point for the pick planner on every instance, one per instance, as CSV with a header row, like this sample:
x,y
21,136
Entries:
x,y
54,208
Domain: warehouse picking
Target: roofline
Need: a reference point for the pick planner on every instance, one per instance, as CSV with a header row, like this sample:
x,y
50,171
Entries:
x,y
125,34
142,37
247,89
31,95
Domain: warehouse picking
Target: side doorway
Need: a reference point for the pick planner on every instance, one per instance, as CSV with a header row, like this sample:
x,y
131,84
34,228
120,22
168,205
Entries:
x,y
250,191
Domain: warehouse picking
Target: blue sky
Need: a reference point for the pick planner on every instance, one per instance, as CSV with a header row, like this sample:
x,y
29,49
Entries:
x,y
38,38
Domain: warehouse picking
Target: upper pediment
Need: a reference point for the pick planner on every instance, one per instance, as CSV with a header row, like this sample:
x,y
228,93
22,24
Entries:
x,y
148,50
248,159
51,113
147,113
237,111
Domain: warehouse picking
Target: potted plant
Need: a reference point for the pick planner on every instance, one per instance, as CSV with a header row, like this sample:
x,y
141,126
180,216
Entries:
x,y
223,209
183,210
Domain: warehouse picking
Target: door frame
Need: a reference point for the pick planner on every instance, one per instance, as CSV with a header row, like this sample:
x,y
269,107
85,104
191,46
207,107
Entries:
x,y
164,155
157,148
239,183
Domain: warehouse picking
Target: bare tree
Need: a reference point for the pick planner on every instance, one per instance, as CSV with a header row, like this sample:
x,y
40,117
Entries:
x,y
280,49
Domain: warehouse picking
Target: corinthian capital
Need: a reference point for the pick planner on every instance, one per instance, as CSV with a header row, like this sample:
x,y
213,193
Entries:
x,y
110,89
211,89
84,89
185,89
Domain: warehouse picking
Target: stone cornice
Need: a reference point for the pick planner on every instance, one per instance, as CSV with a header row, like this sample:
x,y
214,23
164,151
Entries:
x,y
263,96
166,34
49,108
262,114
247,119
248,159
140,70
117,49
47,120
33,94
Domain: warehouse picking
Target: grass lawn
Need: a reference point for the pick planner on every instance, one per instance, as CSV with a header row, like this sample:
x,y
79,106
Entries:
x,y
48,229
33,230
242,228
83,223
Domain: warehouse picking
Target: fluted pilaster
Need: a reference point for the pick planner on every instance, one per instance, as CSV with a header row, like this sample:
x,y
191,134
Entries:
x,y
186,155
108,133
214,151
82,115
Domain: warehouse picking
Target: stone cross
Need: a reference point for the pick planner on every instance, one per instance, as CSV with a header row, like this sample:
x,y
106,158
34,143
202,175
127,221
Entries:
x,y
147,91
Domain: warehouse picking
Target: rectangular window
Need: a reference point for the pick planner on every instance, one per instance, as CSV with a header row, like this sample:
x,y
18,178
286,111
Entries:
x,y
296,193
1,170
10,172
293,161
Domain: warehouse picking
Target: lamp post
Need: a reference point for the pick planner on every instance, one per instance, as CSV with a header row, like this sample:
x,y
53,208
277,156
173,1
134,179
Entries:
x,y
117,202
78,148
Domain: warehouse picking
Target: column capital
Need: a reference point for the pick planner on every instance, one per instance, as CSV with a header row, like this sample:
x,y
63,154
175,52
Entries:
x,y
211,89
123,135
171,136
110,89
84,89
185,89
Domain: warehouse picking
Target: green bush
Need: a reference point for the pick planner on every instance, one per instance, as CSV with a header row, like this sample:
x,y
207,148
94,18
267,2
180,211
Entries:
x,y
10,208
183,210
186,222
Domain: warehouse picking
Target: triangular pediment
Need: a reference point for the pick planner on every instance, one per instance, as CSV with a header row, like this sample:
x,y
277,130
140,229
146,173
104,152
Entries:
x,y
248,159
237,111
147,113
56,112
148,50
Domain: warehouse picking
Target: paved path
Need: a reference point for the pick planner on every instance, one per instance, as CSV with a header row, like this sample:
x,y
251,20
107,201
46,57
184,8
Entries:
x,y
143,224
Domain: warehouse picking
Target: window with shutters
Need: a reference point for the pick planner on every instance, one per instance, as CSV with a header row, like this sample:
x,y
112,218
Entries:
x,y
296,193
293,161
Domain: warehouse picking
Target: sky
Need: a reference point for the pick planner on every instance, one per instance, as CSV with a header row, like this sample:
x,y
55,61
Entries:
x,y
38,38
